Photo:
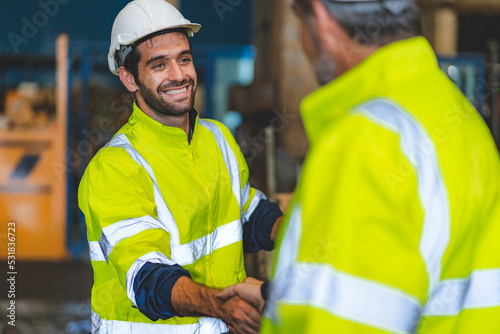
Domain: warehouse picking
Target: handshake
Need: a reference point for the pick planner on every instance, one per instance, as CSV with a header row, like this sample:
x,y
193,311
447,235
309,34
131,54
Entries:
x,y
247,314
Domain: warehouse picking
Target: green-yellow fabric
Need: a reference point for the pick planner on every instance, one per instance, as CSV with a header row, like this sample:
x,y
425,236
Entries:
x,y
359,196
194,182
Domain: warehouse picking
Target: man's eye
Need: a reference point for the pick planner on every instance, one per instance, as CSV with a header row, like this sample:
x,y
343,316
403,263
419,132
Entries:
x,y
158,65
185,60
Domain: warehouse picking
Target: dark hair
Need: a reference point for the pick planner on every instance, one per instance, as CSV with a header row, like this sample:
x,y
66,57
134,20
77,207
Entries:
x,y
378,27
132,60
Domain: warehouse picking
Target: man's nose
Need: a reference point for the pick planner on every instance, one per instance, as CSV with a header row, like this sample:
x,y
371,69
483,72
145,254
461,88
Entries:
x,y
175,73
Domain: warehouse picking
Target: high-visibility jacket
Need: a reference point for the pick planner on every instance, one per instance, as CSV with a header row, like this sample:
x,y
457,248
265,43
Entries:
x,y
151,196
395,225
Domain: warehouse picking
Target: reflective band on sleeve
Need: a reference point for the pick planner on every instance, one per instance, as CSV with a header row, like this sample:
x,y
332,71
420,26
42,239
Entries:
x,y
245,193
164,214
345,296
419,149
229,158
183,254
286,257
352,298
365,301
253,205
222,236
153,257
480,290
114,233
203,326
95,251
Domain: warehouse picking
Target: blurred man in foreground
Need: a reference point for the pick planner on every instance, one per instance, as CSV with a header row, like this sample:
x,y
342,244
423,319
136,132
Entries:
x,y
394,226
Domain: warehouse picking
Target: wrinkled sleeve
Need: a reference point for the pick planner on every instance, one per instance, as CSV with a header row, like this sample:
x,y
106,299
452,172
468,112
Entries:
x,y
153,289
257,230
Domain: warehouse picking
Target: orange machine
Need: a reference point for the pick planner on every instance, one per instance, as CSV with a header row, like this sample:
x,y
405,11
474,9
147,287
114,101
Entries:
x,y
33,180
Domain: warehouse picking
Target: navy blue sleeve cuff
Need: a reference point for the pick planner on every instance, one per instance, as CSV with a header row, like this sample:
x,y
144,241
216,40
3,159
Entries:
x,y
257,231
264,290
153,289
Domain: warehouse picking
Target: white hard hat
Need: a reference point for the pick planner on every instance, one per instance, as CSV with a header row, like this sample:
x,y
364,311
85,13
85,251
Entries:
x,y
139,19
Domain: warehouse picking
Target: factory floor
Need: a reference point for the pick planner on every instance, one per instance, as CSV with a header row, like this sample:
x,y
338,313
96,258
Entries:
x,y
50,298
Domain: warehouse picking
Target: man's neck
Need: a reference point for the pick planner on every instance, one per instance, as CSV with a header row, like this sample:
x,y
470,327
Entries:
x,y
352,55
178,121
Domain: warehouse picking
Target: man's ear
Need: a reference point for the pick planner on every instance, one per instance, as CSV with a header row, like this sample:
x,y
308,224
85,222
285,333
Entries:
x,y
128,80
331,35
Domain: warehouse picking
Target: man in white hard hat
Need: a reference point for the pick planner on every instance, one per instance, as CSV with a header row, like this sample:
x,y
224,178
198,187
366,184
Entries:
x,y
394,225
167,202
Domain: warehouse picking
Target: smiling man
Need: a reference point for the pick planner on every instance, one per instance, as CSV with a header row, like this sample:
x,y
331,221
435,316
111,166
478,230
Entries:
x,y
168,206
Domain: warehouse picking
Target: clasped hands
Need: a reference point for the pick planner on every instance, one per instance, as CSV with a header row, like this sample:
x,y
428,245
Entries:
x,y
248,291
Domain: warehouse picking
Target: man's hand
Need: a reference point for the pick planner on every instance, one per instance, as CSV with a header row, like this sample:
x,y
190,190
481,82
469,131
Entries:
x,y
240,316
196,300
249,290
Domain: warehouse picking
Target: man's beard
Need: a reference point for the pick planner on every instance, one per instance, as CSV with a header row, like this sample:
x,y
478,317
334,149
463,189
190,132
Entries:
x,y
166,108
324,67
324,64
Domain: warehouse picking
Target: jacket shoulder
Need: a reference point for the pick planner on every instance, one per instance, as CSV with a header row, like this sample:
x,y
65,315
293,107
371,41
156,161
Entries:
x,y
225,131
217,123
114,158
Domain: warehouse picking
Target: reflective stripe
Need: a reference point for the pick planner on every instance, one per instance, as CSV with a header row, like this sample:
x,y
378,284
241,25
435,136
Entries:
x,y
95,251
352,298
204,326
114,233
287,255
419,149
481,289
366,301
222,236
245,193
153,257
253,205
183,254
229,158
346,296
164,214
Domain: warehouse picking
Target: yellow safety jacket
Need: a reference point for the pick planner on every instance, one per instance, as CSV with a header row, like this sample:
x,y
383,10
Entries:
x,y
150,196
395,225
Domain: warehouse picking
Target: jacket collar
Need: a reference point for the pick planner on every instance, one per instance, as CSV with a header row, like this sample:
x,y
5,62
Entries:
x,y
385,68
145,129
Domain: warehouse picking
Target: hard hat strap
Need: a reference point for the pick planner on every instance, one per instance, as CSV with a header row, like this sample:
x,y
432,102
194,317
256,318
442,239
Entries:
x,y
122,54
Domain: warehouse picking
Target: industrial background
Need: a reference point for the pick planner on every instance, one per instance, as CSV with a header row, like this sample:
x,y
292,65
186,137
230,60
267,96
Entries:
x,y
59,104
